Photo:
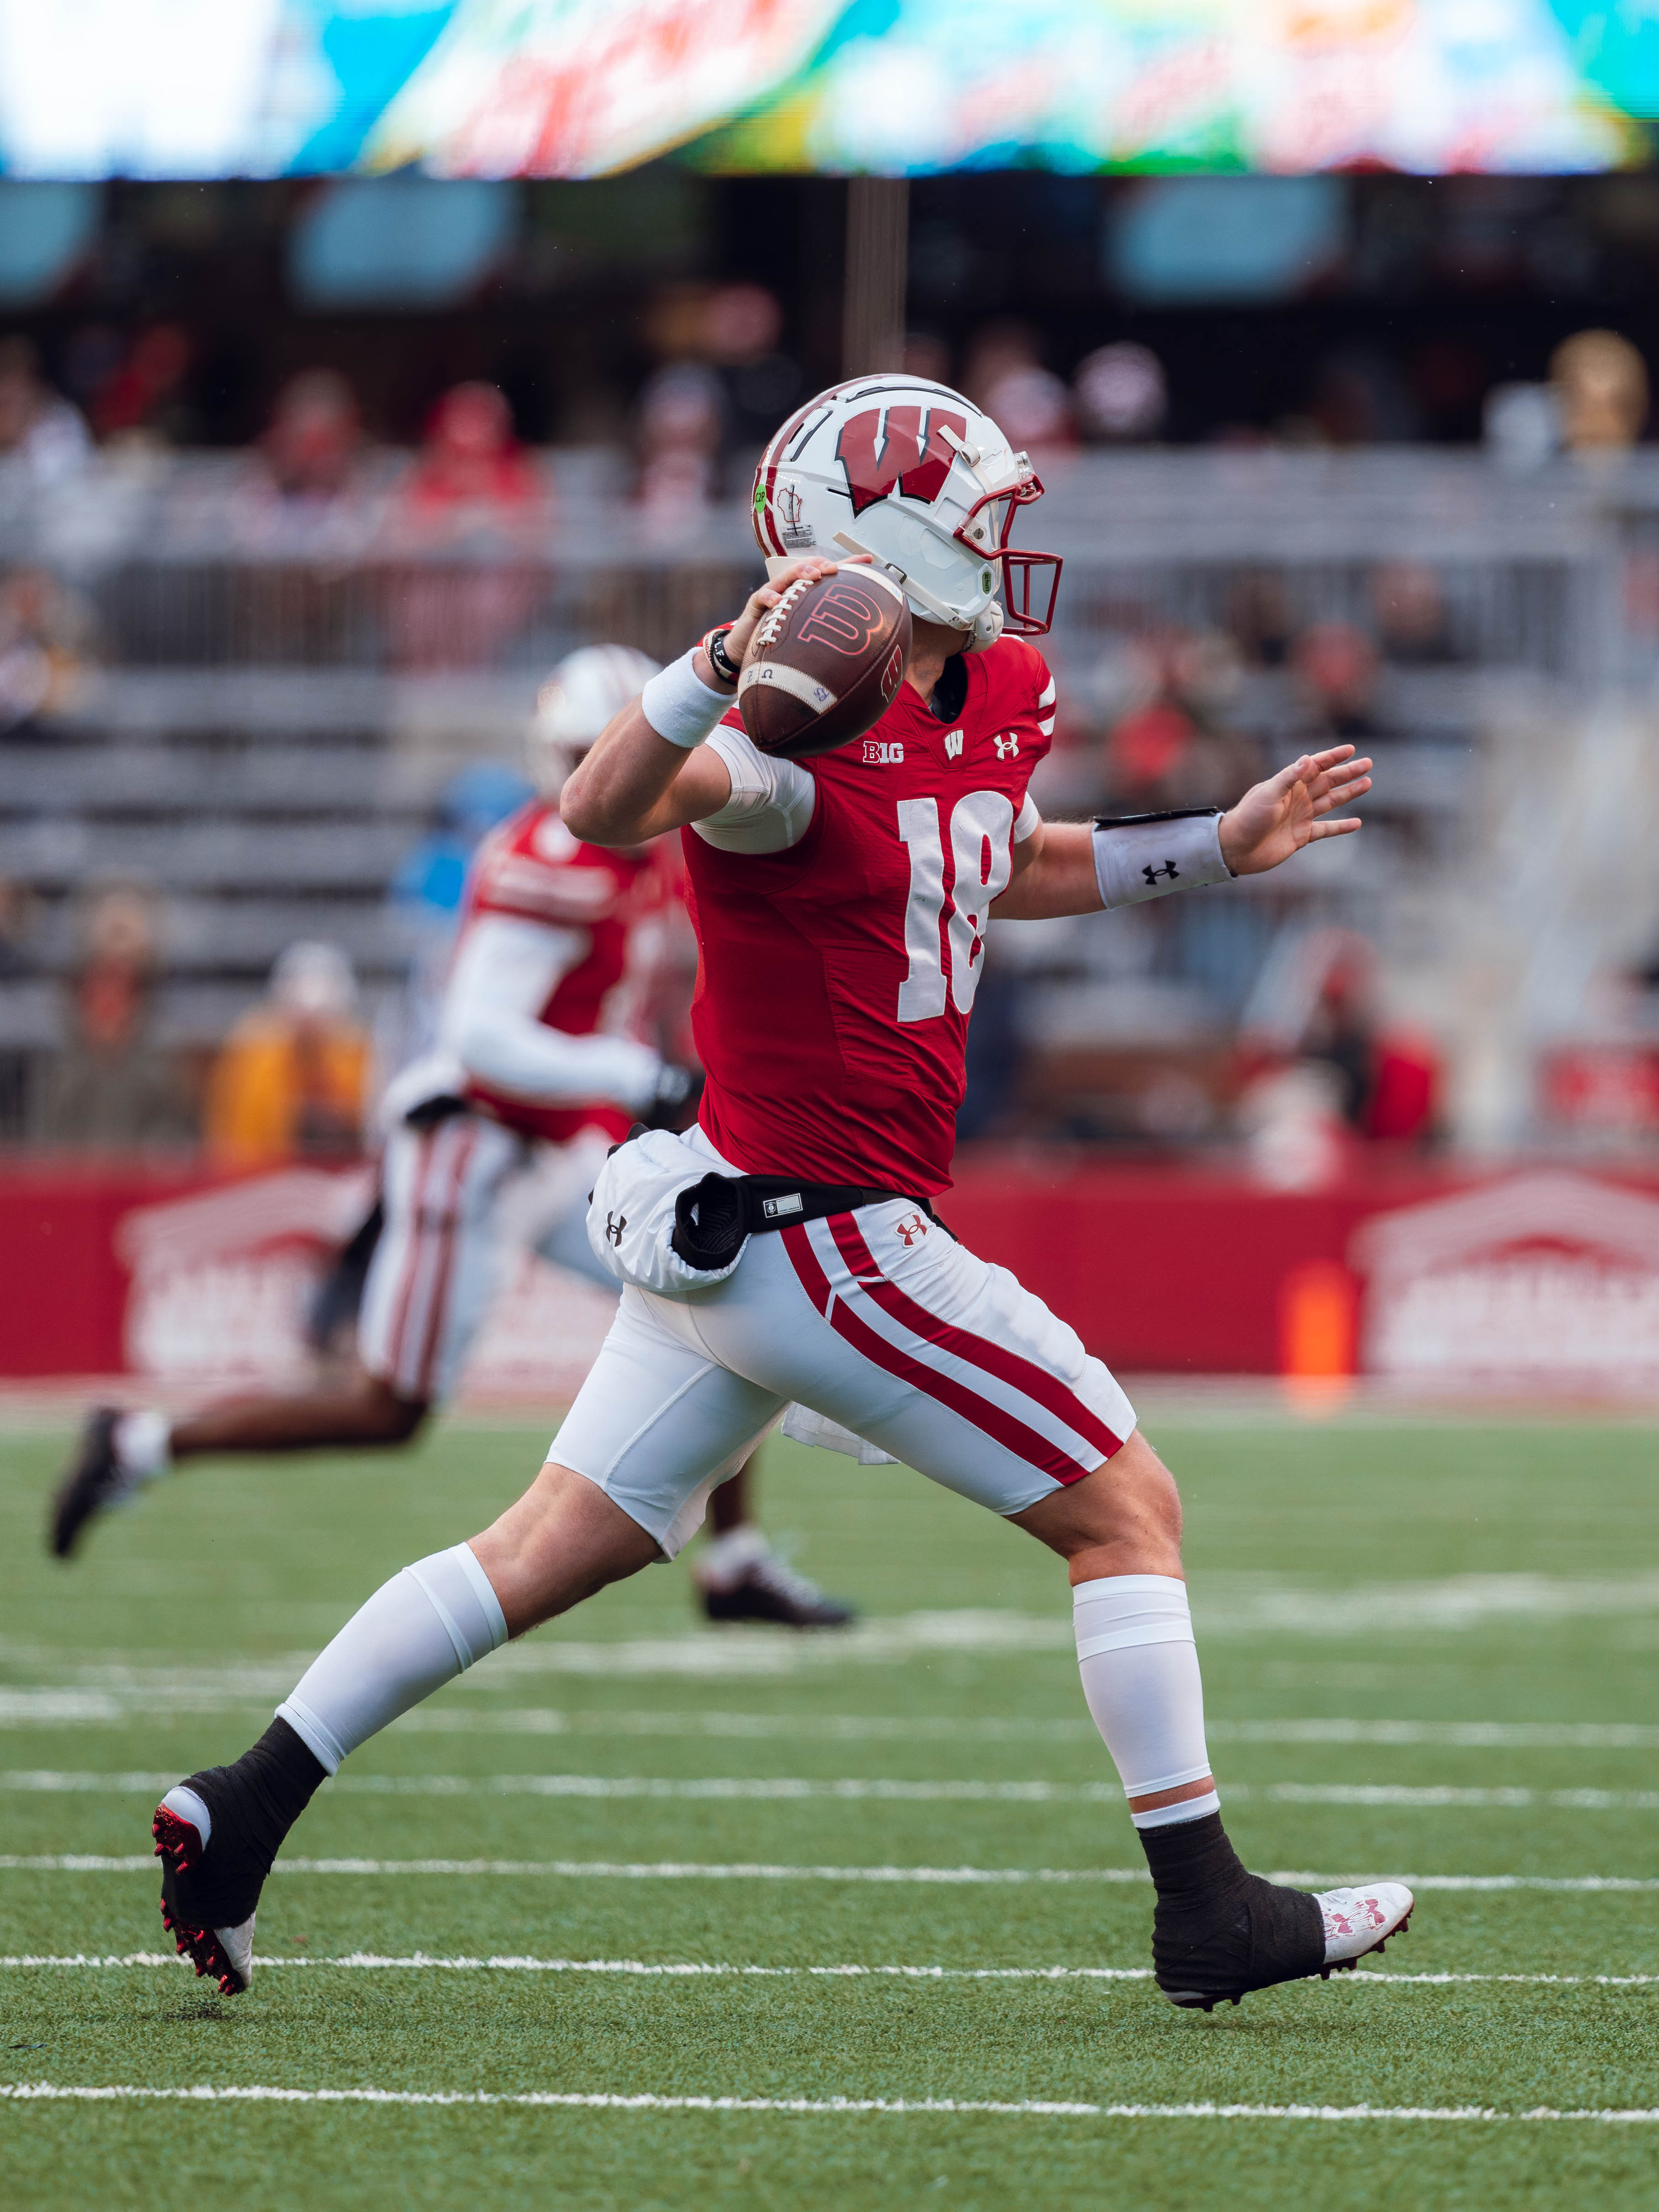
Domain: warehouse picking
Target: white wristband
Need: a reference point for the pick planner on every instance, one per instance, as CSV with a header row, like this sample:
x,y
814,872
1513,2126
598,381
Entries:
x,y
680,707
1136,860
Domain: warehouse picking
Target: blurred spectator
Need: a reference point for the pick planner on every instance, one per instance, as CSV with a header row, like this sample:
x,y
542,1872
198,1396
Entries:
x,y
1600,385
292,1080
18,908
139,396
45,636
1258,619
996,351
470,464
1521,426
1033,409
742,324
1410,609
314,435
38,429
926,356
1171,747
682,425
1004,376
1359,399
1330,1069
1119,395
1336,666
110,1086
473,493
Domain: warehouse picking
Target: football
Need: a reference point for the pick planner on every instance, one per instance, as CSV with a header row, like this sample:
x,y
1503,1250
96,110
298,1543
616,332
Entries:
x,y
825,663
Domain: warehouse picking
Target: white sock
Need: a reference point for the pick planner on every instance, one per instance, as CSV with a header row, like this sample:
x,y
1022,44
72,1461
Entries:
x,y
142,1443
419,1631
1140,1669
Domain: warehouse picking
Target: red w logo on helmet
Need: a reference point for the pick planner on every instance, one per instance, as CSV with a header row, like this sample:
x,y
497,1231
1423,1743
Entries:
x,y
900,460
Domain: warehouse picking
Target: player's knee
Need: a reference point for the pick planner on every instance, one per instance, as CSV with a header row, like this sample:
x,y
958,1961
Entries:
x,y
1129,1501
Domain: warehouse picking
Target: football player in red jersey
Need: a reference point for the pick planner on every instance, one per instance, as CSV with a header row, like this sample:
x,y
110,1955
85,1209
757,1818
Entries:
x,y
535,1070
786,1249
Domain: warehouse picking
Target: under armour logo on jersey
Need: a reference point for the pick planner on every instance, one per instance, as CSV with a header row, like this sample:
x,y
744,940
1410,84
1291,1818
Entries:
x,y
1154,875
614,1226
910,1228
953,744
1005,747
879,753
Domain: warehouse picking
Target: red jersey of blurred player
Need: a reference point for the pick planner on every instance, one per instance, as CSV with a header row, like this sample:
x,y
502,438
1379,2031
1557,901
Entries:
x,y
837,975
531,869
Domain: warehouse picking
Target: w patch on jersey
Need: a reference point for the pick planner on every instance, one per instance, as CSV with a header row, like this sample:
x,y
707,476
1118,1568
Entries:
x,y
953,744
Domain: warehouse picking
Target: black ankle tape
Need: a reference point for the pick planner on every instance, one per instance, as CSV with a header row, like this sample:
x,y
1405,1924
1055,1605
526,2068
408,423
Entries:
x,y
277,1778
1192,1861
1218,1928
252,1805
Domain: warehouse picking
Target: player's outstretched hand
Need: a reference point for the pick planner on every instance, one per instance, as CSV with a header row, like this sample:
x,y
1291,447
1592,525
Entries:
x,y
1277,818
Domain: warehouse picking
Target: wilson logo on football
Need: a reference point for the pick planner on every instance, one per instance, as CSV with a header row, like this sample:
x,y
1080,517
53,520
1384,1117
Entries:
x,y
881,753
844,619
902,459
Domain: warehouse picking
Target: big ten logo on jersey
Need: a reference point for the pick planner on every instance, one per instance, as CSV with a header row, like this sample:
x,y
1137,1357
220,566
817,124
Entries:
x,y
844,620
884,752
889,448
944,929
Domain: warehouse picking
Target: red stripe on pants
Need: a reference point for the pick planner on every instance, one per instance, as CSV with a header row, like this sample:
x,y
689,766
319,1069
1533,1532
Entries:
x,y
1037,1383
981,1414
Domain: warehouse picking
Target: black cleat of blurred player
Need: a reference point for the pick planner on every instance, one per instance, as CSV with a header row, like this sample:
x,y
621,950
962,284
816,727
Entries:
x,y
94,1482
740,1578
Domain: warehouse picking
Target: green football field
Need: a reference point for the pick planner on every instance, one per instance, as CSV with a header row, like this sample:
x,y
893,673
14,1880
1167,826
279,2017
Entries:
x,y
642,1915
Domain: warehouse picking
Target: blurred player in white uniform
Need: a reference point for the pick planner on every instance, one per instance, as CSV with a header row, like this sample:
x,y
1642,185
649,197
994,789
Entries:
x,y
535,1075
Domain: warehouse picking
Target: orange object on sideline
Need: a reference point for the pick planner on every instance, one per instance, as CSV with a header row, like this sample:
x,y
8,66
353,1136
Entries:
x,y
1317,1334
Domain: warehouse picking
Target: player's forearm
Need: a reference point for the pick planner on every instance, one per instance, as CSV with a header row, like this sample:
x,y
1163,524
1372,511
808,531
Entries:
x,y
636,784
1059,879
548,1068
1080,868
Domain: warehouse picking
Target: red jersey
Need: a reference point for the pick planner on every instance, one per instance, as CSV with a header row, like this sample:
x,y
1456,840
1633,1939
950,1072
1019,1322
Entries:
x,y
532,868
837,976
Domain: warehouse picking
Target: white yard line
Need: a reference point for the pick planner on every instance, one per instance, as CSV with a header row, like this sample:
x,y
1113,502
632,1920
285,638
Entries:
x,y
686,1870
60,1705
370,1961
839,2107
1239,1606
53,1781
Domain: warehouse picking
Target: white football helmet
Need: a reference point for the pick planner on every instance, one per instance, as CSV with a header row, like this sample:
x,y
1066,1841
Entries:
x,y
579,698
917,476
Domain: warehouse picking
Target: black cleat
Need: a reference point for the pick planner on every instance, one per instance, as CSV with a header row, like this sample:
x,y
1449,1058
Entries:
x,y
746,1581
207,1908
94,1483
215,1835
1262,1935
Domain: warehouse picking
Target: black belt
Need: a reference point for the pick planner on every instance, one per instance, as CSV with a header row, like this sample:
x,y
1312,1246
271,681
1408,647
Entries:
x,y
711,1218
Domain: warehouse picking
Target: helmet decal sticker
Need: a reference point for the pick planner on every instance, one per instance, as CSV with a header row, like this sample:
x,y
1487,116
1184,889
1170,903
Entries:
x,y
796,529
899,461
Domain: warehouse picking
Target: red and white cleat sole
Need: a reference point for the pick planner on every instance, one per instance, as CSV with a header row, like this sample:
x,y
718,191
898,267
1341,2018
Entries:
x,y
225,1954
1360,1920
